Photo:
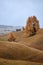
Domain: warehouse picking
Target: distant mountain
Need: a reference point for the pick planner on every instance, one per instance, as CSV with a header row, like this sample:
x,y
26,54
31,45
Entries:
x,y
5,26
6,29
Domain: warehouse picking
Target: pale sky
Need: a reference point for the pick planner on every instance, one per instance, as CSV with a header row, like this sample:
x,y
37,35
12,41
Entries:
x,y
16,12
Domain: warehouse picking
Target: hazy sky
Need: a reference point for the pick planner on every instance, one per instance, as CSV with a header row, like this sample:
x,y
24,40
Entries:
x,y
15,12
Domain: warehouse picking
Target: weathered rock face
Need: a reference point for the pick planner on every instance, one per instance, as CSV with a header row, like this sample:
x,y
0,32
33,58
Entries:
x,y
32,26
11,37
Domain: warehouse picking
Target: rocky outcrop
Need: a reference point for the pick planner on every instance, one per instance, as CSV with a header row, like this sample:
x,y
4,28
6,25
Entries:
x,y
32,26
11,36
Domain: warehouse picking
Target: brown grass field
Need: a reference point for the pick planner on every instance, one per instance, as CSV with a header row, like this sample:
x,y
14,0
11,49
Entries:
x,y
24,51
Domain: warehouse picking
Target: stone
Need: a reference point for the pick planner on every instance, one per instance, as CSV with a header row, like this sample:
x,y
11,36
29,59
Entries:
x,y
32,26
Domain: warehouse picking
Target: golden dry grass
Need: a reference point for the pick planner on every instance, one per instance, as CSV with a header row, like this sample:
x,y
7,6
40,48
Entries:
x,y
17,62
26,49
17,51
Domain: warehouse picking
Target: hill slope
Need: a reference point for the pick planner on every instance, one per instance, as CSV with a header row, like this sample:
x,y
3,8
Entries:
x,y
35,41
11,50
26,49
17,62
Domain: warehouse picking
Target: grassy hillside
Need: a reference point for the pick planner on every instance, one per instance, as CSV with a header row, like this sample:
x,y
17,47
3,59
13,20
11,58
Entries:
x,y
13,50
35,41
17,62
24,51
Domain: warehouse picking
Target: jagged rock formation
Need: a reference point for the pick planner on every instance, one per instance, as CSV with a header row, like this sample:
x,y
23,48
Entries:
x,y
32,26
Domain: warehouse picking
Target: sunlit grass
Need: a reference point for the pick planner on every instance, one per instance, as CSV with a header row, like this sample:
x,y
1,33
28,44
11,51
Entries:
x,y
17,62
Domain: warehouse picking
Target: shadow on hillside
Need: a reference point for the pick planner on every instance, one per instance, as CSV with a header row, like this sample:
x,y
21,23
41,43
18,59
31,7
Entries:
x,y
32,59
